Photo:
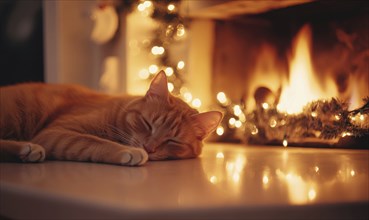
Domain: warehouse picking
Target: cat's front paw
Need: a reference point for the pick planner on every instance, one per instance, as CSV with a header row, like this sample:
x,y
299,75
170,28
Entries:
x,y
134,157
32,153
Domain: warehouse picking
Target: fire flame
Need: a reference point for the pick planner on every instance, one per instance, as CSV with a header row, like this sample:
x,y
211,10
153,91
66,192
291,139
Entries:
x,y
303,86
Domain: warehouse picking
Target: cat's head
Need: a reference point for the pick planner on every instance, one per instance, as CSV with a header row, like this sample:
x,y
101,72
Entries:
x,y
167,127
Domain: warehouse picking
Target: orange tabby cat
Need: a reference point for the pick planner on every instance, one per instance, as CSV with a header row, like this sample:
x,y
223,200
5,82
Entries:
x,y
63,122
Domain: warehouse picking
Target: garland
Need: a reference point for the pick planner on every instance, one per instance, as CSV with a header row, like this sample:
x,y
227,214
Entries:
x,y
322,123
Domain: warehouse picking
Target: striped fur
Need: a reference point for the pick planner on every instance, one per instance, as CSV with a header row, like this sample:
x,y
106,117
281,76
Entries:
x,y
65,122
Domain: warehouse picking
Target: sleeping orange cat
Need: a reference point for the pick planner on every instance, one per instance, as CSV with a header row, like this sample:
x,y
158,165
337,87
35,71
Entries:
x,y
64,122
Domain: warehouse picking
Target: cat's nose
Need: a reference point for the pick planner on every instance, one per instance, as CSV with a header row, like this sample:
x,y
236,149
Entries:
x,y
149,149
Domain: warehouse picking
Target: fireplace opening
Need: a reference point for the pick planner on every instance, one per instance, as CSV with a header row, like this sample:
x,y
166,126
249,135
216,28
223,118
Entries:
x,y
280,70
256,49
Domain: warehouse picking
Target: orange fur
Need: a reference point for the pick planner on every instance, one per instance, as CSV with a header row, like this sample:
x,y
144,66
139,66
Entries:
x,y
65,122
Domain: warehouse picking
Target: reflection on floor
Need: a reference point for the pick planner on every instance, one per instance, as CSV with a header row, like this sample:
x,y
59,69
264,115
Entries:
x,y
227,180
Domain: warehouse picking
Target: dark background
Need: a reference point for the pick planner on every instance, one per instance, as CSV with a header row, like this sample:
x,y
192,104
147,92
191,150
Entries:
x,y
21,41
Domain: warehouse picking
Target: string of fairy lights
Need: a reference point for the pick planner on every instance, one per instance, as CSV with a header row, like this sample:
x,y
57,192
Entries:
x,y
171,29
322,119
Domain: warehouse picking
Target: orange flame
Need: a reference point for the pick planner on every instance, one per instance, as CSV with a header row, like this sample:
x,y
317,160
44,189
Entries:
x,y
303,86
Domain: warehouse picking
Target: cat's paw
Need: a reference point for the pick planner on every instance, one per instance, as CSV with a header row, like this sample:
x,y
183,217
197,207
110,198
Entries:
x,y
32,153
133,157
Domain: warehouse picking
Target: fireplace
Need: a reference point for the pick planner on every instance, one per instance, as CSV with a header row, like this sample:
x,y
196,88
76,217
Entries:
x,y
253,50
276,67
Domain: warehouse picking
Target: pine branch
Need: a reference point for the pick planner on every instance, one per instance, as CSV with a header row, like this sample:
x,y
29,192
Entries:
x,y
325,120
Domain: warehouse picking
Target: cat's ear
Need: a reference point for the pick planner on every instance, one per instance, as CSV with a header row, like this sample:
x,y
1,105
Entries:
x,y
159,86
206,123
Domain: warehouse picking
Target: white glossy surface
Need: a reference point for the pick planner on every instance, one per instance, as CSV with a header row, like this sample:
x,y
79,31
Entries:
x,y
225,177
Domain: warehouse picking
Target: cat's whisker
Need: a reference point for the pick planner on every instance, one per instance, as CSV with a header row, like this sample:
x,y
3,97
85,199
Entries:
x,y
111,131
121,135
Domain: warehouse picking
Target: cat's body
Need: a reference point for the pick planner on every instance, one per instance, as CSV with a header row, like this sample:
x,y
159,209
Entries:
x,y
73,123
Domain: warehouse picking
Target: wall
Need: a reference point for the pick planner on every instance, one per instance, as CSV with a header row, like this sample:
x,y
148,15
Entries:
x,y
71,56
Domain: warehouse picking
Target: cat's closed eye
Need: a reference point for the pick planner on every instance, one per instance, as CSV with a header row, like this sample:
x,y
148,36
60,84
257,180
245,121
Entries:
x,y
172,142
138,122
146,124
